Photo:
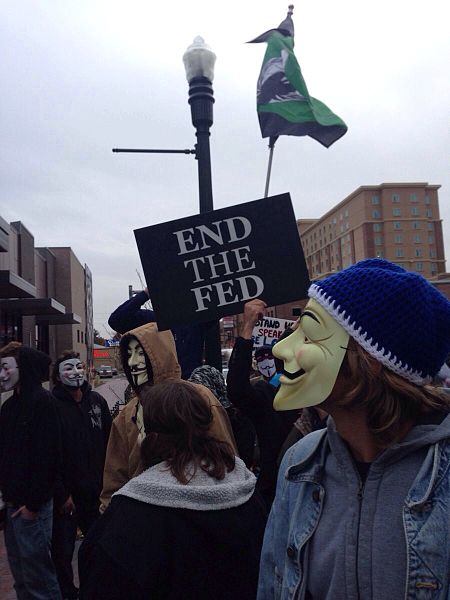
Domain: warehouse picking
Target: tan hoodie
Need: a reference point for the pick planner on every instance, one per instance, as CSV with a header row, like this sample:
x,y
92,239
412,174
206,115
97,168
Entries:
x,y
123,452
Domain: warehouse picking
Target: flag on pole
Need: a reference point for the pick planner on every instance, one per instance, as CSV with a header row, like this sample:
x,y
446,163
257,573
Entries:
x,y
283,101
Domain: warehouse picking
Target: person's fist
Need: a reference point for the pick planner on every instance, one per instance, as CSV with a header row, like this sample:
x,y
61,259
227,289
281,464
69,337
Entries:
x,y
253,311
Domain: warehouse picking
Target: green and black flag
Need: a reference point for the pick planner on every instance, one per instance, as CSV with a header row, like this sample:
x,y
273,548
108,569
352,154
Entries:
x,y
284,104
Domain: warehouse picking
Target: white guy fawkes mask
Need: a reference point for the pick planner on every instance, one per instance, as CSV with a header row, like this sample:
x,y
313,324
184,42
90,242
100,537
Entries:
x,y
136,362
71,372
312,356
9,373
266,367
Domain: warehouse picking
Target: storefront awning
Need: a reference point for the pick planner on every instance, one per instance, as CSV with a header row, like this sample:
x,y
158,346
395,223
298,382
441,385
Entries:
x,y
32,306
68,318
13,286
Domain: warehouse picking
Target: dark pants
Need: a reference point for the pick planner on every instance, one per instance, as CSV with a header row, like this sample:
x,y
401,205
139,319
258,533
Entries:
x,y
28,547
63,543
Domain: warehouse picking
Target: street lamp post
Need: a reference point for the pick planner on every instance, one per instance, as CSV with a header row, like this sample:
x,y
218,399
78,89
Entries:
x,y
199,62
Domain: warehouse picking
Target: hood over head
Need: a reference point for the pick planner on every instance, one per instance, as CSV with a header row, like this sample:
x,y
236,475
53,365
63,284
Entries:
x,y
33,367
160,353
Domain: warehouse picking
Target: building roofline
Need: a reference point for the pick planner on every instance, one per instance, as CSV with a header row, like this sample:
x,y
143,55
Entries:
x,y
50,248
364,188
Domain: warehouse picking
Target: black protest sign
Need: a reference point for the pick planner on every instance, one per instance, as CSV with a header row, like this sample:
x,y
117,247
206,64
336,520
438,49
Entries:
x,y
207,266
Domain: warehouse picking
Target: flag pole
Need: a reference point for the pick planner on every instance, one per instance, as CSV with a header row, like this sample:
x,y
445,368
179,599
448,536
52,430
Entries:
x,y
272,141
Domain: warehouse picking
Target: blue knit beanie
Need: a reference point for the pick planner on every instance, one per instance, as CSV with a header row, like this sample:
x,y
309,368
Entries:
x,y
395,315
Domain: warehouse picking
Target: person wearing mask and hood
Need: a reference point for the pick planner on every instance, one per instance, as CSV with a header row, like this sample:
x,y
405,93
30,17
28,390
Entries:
x,y
30,454
362,508
148,357
85,425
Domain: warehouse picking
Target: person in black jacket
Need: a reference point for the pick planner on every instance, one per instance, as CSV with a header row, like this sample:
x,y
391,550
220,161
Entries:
x,y
255,400
30,453
85,424
190,526
189,339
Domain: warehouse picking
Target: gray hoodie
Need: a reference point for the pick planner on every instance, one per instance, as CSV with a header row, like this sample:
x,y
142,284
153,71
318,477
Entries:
x,y
358,551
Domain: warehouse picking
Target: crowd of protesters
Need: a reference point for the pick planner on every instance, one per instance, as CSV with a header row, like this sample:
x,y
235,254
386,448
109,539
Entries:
x,y
327,477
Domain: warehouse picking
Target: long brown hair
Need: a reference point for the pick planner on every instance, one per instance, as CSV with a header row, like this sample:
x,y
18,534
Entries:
x,y
177,420
389,400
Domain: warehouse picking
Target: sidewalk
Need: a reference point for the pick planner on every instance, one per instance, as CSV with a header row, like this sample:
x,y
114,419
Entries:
x,y
6,580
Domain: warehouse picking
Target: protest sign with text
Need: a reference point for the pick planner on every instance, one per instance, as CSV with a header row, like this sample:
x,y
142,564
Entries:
x,y
207,266
268,330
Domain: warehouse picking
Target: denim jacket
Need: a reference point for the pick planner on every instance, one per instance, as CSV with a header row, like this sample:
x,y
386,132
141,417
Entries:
x,y
297,510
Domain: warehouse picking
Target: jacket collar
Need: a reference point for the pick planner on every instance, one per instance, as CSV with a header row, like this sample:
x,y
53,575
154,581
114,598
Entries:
x,y
311,465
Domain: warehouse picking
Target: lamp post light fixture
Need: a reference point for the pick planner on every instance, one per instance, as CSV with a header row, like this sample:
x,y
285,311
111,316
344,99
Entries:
x,y
199,62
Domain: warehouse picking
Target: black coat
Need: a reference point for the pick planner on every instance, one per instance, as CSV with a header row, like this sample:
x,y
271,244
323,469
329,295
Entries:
x,y
255,400
30,436
85,427
141,551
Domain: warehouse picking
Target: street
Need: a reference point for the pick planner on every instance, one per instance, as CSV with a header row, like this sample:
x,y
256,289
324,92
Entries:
x,y
112,389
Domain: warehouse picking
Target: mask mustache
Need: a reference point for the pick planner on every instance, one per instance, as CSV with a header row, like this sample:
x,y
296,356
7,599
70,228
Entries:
x,y
293,375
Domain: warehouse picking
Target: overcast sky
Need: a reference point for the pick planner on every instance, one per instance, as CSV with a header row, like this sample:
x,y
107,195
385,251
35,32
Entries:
x,y
79,78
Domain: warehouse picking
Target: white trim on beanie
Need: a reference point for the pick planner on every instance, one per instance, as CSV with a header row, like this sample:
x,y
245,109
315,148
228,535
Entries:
x,y
370,345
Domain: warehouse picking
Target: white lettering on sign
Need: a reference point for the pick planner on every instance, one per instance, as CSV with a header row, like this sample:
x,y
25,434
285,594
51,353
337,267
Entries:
x,y
239,290
189,239
221,264
268,331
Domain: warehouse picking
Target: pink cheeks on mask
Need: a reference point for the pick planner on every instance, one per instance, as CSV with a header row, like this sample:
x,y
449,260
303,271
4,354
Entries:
x,y
9,373
71,372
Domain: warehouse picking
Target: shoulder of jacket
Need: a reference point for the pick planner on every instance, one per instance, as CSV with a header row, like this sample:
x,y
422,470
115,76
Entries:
x,y
305,449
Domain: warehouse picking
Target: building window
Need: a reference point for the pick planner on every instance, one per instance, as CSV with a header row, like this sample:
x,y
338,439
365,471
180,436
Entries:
x,y
395,198
432,253
399,252
378,240
346,212
433,268
429,213
413,197
78,335
396,212
414,211
398,239
82,337
419,266
416,224
380,254
376,214
418,252
375,199
377,227
427,199
417,239
430,226
397,225
431,239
